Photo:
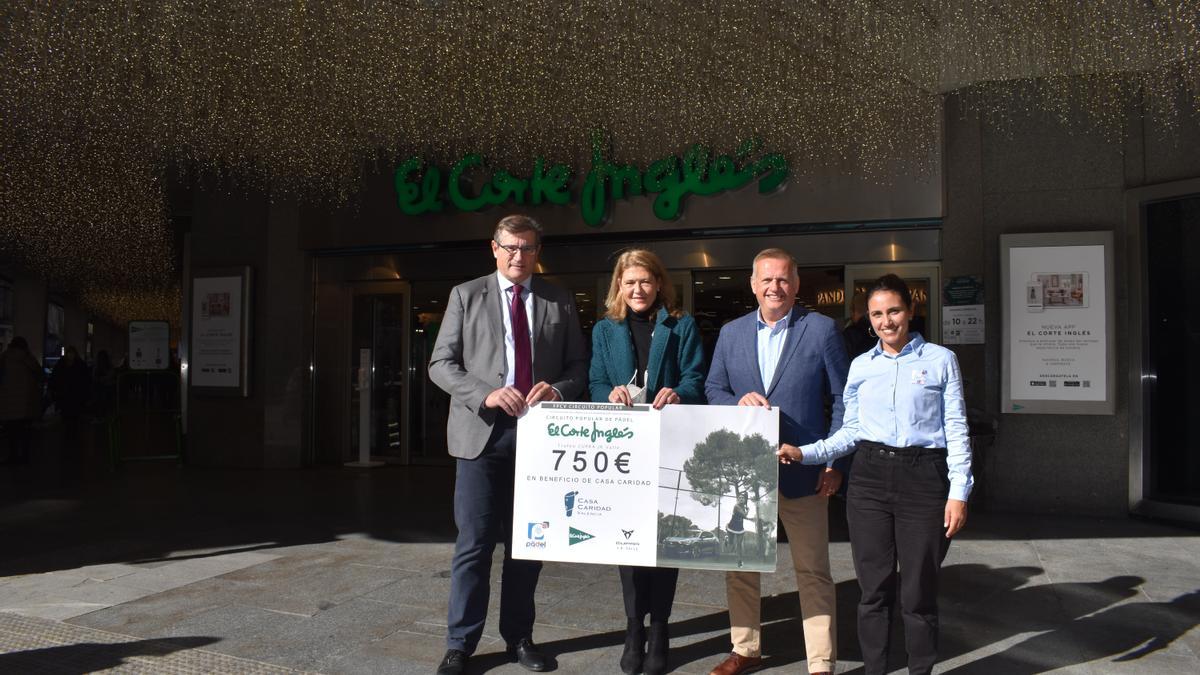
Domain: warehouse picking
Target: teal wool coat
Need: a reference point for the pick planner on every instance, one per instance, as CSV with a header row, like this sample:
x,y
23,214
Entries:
x,y
676,358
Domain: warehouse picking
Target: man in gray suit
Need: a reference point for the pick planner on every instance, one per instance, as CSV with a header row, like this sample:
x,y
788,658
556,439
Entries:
x,y
508,340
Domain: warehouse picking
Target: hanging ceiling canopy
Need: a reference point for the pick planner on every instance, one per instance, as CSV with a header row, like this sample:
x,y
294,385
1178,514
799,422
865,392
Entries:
x,y
101,101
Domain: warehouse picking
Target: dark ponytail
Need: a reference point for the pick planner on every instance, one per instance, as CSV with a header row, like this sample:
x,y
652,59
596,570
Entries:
x,y
893,283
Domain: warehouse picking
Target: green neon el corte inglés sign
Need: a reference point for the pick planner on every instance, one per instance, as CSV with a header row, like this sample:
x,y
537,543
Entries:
x,y
420,187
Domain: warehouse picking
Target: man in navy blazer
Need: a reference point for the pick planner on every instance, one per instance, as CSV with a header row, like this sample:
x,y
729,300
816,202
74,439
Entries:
x,y
782,355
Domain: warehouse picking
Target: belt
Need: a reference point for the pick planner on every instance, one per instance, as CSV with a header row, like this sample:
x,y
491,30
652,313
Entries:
x,y
912,453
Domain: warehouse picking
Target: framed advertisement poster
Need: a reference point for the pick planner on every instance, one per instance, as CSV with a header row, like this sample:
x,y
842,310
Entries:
x,y
1058,323
220,332
149,345
688,486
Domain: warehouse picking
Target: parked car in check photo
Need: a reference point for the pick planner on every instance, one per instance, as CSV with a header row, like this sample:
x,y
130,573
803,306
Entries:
x,y
695,544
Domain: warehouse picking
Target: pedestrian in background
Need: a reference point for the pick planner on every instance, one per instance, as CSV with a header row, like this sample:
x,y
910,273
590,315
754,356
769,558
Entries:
x,y
857,333
20,398
906,420
104,384
648,350
70,388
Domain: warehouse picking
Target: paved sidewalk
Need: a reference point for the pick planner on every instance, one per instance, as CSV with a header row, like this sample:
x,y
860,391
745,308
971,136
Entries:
x,y
160,569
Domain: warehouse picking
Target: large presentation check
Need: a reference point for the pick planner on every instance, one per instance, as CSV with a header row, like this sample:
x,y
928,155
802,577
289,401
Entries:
x,y
687,486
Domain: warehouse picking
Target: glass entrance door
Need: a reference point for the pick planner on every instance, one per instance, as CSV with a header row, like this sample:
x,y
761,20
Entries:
x,y
1170,398
924,282
379,387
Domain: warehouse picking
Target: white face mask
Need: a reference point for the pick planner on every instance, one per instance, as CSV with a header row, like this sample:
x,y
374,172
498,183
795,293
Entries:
x,y
636,394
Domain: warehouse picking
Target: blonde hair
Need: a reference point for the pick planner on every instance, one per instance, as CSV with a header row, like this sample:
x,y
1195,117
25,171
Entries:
x,y
775,254
640,257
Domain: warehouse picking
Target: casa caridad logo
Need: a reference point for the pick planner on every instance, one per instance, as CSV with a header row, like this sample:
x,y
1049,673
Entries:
x,y
575,505
579,536
535,534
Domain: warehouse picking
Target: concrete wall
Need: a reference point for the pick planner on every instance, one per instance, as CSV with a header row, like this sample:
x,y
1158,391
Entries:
x,y
29,312
1038,174
265,429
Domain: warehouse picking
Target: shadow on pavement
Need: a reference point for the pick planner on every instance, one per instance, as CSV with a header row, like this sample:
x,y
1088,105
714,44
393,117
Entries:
x,y
89,657
56,519
1127,632
981,607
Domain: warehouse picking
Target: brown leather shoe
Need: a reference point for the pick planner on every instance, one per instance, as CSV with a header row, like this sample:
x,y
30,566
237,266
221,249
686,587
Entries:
x,y
736,664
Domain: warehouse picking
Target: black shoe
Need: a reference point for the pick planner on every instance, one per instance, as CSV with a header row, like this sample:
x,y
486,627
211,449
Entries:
x,y
635,647
453,663
529,656
658,642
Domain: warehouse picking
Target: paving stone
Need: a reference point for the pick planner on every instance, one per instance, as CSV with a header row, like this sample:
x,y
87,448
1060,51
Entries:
x,y
705,589
153,615
52,607
400,652
245,632
310,585
39,646
106,593
39,583
415,557
174,574
323,638
103,572
416,589
343,593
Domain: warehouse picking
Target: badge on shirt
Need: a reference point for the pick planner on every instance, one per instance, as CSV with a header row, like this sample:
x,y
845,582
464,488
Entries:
x,y
918,376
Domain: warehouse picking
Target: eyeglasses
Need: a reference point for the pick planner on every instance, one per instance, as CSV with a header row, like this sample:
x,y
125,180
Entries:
x,y
512,249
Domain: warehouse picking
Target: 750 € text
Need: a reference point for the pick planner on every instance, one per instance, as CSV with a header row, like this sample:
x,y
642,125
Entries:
x,y
599,461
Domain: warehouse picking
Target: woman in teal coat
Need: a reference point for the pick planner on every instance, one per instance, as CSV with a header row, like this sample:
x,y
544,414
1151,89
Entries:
x,y
645,350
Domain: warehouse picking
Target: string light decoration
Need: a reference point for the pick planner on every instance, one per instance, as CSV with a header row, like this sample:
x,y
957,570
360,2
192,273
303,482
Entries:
x,y
100,101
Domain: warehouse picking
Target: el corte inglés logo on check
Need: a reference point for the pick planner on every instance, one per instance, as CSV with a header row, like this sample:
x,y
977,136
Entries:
x,y
579,536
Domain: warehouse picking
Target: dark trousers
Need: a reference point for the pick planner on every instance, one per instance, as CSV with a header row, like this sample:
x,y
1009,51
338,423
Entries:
x,y
895,509
483,496
20,439
71,425
648,590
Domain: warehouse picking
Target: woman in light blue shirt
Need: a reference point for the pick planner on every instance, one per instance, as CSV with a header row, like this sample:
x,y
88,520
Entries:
x,y
911,477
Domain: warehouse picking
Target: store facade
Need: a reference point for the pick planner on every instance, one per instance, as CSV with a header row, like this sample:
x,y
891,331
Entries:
x,y
347,300
381,309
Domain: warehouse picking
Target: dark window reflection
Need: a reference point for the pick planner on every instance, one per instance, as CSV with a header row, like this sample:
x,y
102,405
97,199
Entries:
x,y
1172,402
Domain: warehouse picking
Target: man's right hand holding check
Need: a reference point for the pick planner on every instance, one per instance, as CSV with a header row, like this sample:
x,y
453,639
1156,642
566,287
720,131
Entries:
x,y
512,401
755,398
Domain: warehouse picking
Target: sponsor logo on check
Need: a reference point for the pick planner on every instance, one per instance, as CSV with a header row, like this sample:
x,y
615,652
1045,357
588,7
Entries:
x,y
577,536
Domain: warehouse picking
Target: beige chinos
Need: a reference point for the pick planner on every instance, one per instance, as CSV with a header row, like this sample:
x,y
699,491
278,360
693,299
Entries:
x,y
806,520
